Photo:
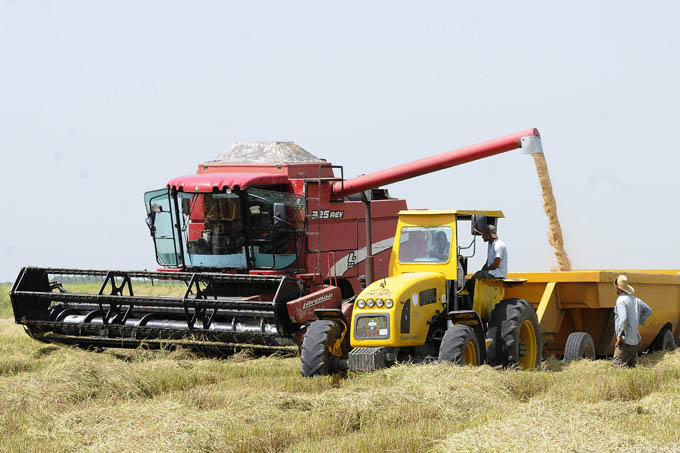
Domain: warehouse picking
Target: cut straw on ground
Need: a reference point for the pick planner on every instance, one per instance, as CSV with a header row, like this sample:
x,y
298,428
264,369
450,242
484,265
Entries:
x,y
65,399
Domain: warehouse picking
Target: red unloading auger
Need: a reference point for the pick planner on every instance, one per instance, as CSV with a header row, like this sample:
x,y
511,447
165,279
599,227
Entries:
x,y
529,140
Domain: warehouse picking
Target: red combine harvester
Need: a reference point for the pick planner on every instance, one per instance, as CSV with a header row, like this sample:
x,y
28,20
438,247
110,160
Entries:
x,y
250,246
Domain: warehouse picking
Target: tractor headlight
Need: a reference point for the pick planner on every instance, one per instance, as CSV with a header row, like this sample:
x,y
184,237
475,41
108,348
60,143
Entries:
x,y
389,303
379,303
361,303
370,303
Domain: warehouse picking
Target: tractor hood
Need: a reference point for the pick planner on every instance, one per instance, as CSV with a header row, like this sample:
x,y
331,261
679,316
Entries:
x,y
400,287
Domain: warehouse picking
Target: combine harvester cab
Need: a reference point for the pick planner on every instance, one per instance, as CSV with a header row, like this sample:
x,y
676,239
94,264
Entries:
x,y
249,247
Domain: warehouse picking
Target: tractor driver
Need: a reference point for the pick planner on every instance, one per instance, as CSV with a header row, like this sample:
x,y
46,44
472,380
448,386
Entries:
x,y
497,255
496,261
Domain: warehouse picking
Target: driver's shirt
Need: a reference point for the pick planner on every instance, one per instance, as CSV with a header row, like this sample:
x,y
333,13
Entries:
x,y
497,249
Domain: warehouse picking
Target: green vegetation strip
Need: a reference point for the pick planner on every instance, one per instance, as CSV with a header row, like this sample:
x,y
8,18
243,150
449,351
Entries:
x,y
5,305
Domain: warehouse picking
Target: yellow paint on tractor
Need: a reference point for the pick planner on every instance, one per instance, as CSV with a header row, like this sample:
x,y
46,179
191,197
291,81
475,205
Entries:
x,y
487,294
405,291
470,355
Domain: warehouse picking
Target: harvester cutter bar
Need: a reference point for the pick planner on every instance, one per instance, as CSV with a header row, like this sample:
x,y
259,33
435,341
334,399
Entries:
x,y
133,336
178,309
203,345
222,308
161,276
146,301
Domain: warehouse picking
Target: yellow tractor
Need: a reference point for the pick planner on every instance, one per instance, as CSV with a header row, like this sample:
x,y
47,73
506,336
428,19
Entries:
x,y
423,312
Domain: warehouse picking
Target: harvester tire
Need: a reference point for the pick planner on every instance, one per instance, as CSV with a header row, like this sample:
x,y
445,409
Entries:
x,y
579,345
315,355
664,341
516,335
460,346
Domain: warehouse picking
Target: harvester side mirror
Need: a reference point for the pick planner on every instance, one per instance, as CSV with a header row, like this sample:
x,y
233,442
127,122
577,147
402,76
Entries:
x,y
150,219
186,206
279,214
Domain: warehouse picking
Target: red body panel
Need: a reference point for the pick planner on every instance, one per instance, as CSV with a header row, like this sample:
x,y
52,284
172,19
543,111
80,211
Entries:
x,y
302,310
220,181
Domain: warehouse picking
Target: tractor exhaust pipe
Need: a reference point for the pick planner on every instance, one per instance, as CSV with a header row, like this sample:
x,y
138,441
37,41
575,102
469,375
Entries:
x,y
529,140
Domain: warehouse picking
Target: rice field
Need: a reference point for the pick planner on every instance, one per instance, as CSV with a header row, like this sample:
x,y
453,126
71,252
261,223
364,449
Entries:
x,y
65,399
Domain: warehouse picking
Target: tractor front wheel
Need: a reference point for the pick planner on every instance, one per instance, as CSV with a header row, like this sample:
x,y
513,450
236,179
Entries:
x,y
460,346
316,354
516,335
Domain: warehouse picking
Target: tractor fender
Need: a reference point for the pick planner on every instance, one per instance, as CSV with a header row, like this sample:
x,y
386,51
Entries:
x,y
336,315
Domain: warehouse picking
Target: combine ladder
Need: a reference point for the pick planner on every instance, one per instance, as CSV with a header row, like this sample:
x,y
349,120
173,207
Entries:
x,y
318,181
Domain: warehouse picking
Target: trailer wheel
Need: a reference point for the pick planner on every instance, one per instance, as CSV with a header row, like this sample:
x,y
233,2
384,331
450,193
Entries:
x,y
579,346
315,356
516,335
664,341
460,346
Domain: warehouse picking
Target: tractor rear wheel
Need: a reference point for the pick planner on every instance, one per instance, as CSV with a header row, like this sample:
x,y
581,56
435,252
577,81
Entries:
x,y
664,341
579,346
516,335
316,358
460,346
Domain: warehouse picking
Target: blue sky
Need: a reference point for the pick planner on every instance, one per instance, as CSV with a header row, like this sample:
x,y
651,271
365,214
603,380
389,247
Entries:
x,y
102,101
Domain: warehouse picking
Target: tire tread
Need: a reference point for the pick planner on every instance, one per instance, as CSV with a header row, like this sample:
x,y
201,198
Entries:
x,y
453,344
504,324
576,345
314,353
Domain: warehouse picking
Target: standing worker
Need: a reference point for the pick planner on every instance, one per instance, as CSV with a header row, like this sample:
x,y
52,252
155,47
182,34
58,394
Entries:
x,y
628,313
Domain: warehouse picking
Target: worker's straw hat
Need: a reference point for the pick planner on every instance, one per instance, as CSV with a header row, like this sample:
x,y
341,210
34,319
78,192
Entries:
x,y
621,282
491,229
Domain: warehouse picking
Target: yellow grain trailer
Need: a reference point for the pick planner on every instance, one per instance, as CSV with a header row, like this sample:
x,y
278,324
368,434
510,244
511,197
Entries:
x,y
572,304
